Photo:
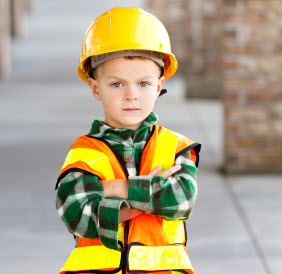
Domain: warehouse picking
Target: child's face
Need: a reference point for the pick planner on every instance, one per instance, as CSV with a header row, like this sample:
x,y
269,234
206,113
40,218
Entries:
x,y
128,90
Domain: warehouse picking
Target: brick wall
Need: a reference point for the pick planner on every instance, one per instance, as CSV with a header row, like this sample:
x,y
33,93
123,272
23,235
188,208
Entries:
x,y
252,80
195,31
233,49
173,14
203,69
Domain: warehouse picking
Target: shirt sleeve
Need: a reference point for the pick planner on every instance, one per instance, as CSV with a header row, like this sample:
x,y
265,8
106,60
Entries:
x,y
81,204
171,198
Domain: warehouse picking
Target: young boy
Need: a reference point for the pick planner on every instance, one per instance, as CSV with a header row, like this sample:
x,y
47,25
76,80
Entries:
x,y
127,187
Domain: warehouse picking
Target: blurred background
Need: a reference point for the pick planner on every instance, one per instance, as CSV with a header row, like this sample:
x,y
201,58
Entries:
x,y
226,95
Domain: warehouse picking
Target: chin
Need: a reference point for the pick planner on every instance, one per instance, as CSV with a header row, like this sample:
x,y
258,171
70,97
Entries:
x,y
132,123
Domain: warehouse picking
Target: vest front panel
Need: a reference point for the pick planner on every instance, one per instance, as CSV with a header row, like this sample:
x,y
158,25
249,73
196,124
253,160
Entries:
x,y
146,235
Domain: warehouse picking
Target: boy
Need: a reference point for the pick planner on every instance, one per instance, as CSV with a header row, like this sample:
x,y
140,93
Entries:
x,y
126,188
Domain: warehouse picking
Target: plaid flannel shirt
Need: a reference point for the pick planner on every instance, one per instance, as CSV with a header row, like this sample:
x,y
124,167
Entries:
x,y
87,213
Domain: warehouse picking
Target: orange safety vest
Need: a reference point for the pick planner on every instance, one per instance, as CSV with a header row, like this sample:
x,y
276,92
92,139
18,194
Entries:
x,y
151,243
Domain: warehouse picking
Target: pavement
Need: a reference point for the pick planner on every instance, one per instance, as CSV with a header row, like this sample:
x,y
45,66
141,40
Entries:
x,y
235,226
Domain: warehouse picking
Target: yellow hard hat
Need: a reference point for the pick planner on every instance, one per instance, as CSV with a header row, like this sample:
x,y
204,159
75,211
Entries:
x,y
126,28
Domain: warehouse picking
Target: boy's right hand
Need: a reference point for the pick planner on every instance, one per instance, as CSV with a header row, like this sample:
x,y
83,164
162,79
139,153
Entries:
x,y
165,174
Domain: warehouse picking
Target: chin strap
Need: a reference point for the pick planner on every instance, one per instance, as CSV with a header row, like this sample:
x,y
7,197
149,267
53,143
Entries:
x,y
163,91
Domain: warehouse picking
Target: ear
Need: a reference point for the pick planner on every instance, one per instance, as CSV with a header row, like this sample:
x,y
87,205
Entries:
x,y
94,88
160,84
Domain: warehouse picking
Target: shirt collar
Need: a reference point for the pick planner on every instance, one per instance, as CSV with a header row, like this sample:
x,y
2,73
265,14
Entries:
x,y
99,128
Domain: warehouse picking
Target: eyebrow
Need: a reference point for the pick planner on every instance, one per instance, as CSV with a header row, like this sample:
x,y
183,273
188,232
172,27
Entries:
x,y
119,78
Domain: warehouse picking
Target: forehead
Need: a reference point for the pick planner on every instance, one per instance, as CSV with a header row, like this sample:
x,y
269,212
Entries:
x,y
129,66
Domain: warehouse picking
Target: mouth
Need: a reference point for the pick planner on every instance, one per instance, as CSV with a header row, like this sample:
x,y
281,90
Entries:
x,y
131,109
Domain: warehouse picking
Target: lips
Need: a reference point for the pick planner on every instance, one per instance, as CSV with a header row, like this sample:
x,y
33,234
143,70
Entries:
x,y
131,109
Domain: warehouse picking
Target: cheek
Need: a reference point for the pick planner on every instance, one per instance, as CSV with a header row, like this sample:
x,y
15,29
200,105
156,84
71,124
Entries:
x,y
148,105
150,98
106,94
110,99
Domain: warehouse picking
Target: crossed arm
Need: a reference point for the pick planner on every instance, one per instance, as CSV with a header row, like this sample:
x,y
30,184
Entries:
x,y
91,208
119,189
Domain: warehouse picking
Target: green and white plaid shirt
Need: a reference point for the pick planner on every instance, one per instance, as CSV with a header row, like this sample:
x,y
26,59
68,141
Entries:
x,y
87,213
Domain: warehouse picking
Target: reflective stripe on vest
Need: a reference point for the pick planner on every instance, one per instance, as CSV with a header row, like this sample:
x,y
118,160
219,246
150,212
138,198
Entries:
x,y
148,258
99,158
92,160
91,254
92,258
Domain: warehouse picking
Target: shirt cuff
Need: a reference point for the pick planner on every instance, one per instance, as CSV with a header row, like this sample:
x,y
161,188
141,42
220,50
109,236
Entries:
x,y
139,191
108,222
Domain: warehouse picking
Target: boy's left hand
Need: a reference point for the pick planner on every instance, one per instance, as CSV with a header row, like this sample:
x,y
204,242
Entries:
x,y
166,173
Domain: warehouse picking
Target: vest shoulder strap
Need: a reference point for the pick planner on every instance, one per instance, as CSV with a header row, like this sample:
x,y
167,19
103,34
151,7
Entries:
x,y
185,144
93,156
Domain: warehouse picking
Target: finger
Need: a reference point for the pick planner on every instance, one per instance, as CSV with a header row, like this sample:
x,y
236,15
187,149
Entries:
x,y
155,171
170,171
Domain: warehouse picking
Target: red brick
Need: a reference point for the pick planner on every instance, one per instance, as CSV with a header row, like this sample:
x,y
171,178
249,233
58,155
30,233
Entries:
x,y
248,113
263,96
260,5
277,47
244,82
232,129
245,48
246,18
264,159
275,5
264,128
275,16
247,144
277,144
260,64
265,33
230,65
230,5
230,98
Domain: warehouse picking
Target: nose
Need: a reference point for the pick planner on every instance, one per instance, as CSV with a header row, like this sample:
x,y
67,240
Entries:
x,y
131,94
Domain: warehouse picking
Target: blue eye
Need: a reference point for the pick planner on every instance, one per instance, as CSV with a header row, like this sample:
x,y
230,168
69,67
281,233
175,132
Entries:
x,y
143,84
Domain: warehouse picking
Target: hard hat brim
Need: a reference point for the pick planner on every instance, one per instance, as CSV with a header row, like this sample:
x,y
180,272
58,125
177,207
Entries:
x,y
170,66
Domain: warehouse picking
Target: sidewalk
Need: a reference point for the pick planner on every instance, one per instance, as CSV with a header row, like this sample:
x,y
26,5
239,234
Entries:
x,y
236,224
